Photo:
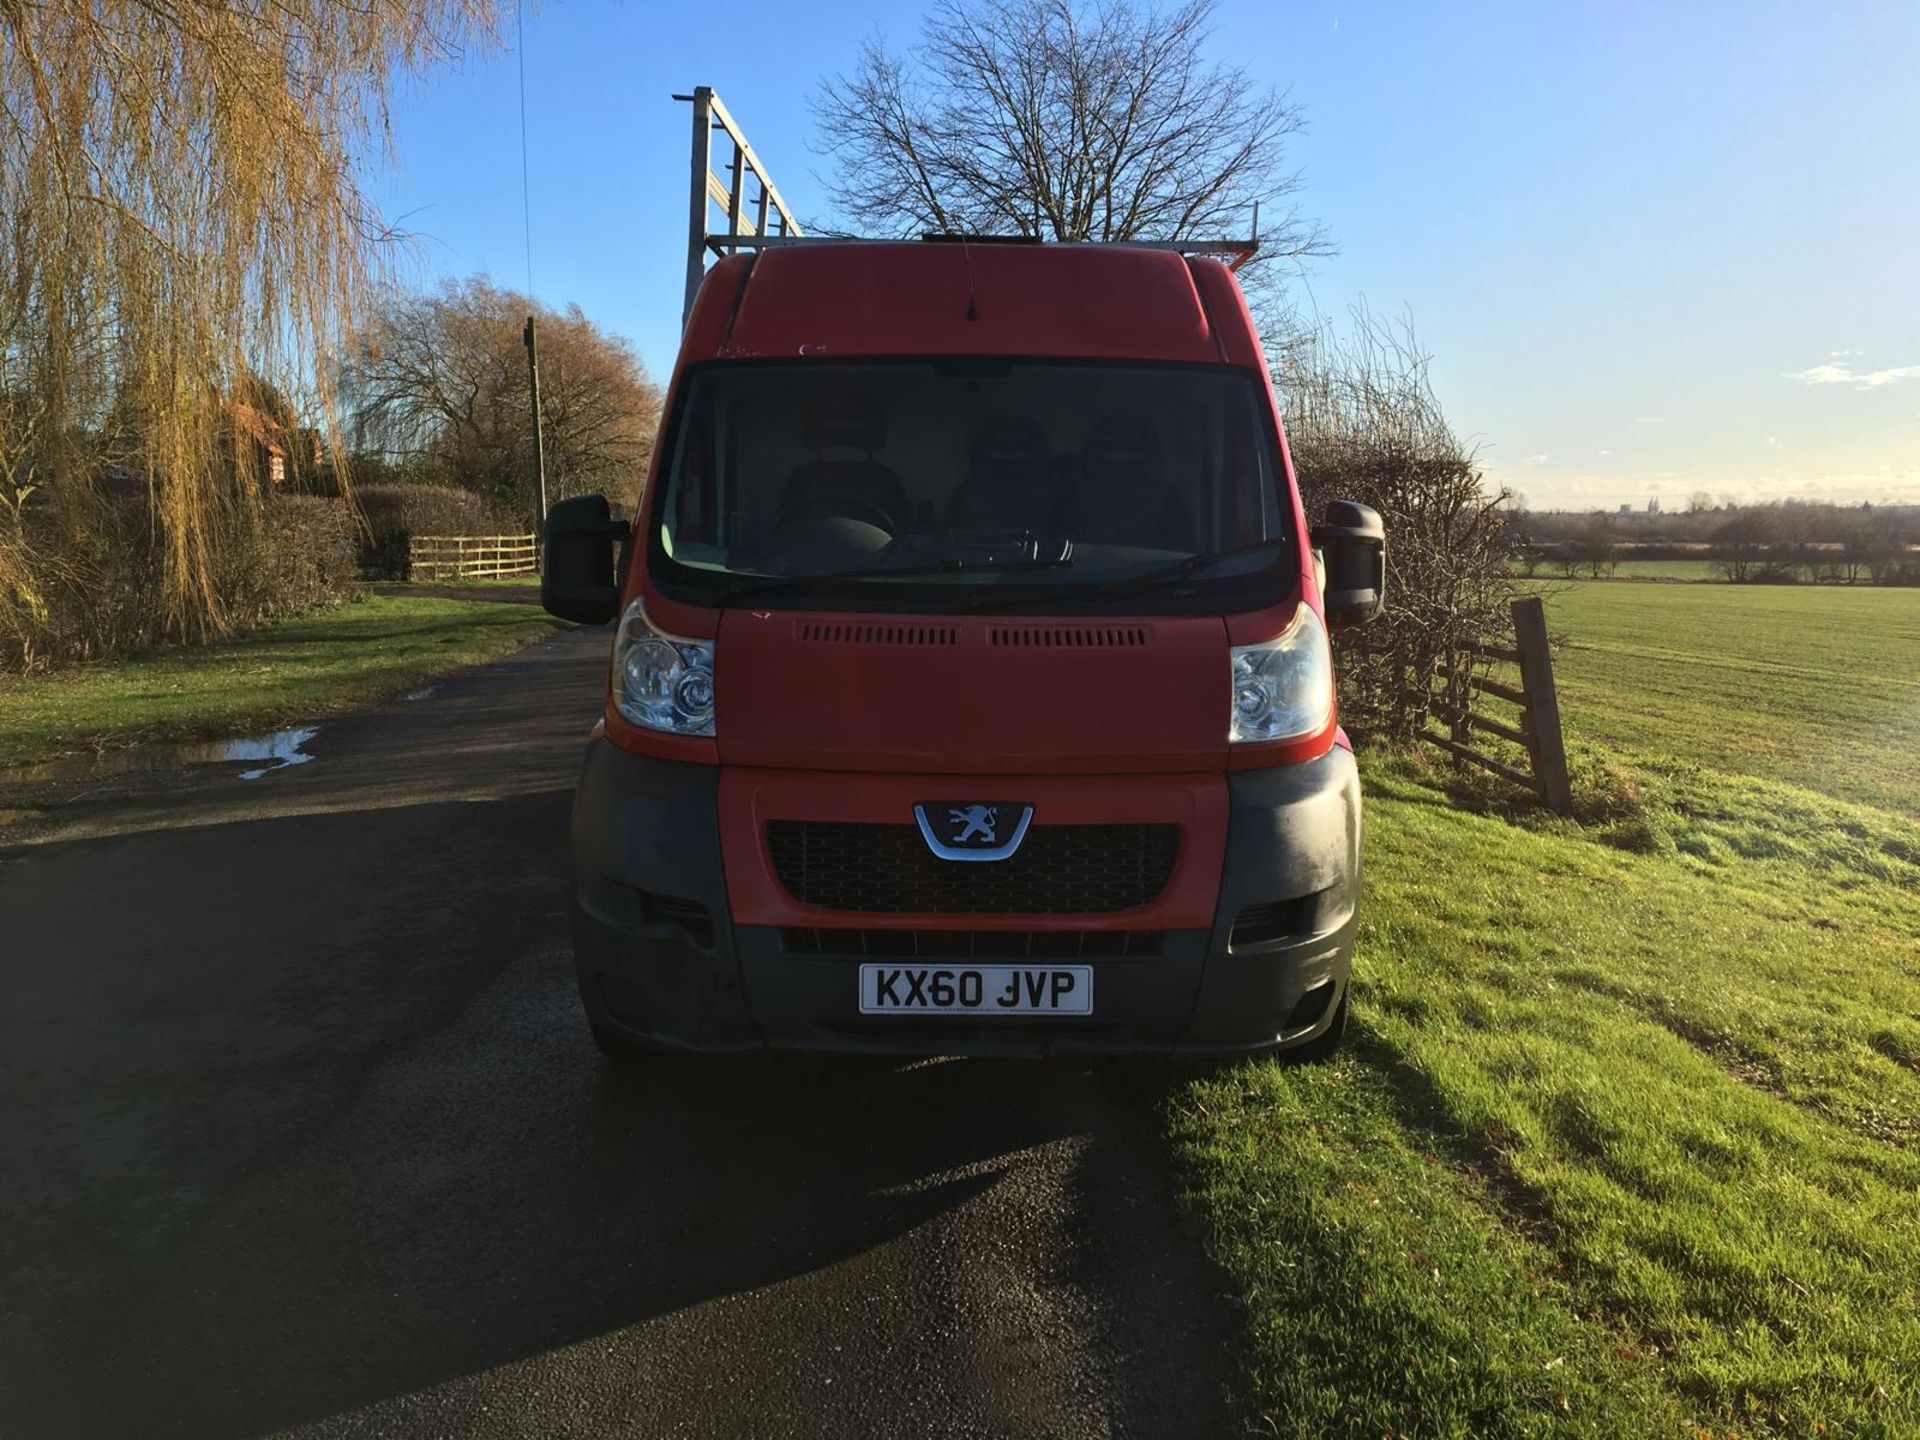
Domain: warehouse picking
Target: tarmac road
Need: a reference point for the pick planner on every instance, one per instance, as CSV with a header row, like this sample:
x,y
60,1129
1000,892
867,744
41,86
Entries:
x,y
301,1132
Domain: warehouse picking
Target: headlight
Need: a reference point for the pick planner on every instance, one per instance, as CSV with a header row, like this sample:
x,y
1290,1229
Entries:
x,y
661,681
1283,689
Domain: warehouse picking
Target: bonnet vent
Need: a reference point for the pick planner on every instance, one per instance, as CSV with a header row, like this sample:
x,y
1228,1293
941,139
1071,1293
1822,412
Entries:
x,y
1070,637
826,633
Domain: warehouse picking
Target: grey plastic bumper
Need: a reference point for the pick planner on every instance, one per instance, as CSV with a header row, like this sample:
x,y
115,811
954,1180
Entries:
x,y
649,828
1293,831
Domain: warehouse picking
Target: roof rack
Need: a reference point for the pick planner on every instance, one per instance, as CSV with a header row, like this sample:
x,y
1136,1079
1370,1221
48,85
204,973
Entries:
x,y
742,231
771,224
1234,253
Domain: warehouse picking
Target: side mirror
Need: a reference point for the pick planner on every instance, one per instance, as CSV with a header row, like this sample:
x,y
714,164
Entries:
x,y
1354,543
577,580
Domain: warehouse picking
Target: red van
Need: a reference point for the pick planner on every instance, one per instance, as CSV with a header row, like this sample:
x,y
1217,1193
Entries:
x,y
971,690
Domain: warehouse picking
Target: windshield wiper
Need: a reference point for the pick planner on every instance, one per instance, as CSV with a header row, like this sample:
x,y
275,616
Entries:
x,y
1149,580
801,583
1189,567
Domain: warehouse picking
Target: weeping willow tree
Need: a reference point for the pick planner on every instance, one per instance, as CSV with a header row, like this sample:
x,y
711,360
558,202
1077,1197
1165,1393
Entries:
x,y
179,211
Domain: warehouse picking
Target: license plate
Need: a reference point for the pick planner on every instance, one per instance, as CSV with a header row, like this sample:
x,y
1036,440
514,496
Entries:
x,y
976,989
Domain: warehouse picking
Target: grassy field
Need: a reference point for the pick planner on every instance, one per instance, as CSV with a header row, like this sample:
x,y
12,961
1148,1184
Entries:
x,y
1704,570
292,670
1629,1144
1818,686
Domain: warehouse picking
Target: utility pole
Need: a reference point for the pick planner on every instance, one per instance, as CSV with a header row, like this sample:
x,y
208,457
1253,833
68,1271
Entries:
x,y
539,444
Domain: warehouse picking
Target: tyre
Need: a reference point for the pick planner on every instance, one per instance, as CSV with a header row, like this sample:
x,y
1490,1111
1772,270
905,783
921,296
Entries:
x,y
618,1050
1327,1043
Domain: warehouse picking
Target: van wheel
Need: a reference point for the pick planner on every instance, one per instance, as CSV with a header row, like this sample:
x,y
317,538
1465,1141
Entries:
x,y
1326,1044
618,1049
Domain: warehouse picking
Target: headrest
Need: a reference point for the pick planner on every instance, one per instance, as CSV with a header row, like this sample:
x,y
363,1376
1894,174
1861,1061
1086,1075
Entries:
x,y
845,419
1008,440
1124,444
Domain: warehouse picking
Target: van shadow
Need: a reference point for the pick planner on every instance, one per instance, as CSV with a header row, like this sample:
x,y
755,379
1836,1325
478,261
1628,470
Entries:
x,y
385,1157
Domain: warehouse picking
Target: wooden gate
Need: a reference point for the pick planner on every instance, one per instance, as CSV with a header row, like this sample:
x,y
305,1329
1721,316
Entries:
x,y
1536,728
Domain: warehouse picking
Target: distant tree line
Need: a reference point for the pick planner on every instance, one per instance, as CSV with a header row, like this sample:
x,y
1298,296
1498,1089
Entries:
x,y
1781,543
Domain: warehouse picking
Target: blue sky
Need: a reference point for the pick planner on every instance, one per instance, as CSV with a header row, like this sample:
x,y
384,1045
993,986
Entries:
x,y
1652,248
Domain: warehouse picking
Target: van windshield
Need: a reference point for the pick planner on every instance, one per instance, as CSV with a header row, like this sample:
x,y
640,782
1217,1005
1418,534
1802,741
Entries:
x,y
960,484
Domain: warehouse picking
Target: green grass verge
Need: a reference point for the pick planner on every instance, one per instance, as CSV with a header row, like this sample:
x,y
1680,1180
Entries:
x,y
1629,1142
375,647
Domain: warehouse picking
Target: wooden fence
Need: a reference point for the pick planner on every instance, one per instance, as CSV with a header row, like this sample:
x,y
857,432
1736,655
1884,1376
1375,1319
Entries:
x,y
1537,732
469,557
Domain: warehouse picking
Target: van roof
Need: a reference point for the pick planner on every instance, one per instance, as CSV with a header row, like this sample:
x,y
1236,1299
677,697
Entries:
x,y
955,298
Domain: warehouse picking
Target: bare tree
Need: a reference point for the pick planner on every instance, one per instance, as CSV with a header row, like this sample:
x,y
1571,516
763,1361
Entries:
x,y
1065,120
1857,539
1598,548
1363,424
438,387
1739,546
1888,557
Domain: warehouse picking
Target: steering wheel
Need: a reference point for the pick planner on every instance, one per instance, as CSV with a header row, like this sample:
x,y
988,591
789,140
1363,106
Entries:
x,y
837,507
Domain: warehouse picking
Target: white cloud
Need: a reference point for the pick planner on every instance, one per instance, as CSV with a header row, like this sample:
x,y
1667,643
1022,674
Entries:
x,y
1887,377
1859,379
1844,354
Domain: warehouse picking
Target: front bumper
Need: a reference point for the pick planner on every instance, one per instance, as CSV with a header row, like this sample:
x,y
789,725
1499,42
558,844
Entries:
x,y
661,960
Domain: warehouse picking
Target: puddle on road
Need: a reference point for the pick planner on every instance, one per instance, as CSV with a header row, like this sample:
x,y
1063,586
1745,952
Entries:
x,y
427,694
280,749
263,753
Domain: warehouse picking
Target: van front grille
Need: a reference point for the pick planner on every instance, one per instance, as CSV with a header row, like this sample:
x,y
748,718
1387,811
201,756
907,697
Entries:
x,y
971,944
888,869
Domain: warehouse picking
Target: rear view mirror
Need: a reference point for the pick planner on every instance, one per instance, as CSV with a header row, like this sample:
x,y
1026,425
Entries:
x,y
577,580
1354,543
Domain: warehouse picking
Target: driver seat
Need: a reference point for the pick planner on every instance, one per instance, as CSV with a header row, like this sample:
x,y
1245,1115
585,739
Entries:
x,y
846,420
